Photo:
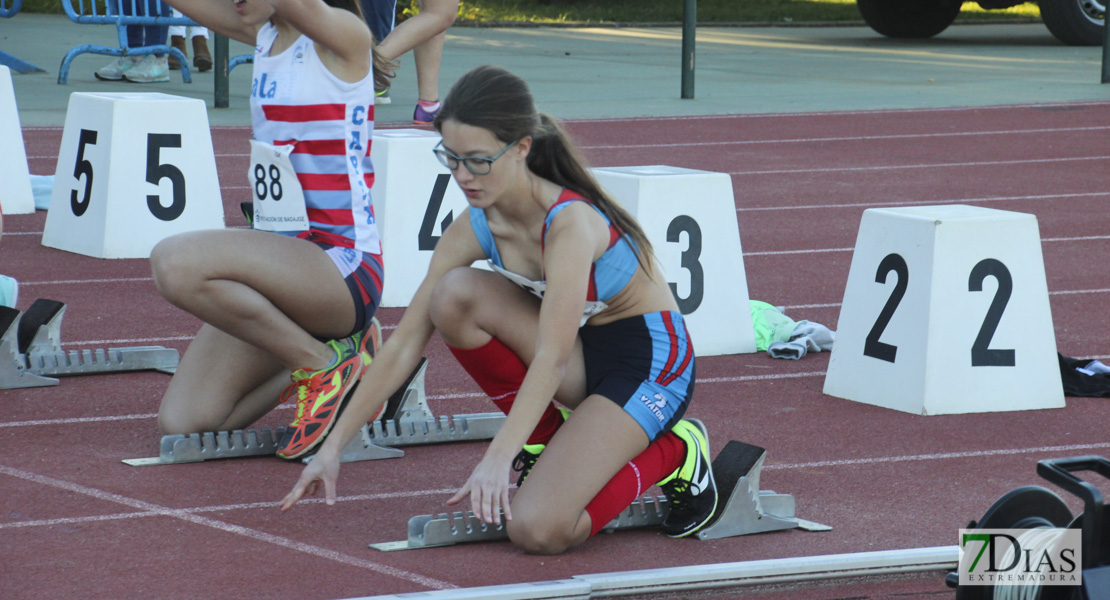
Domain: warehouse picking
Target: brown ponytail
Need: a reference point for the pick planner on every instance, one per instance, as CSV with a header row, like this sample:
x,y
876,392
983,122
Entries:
x,y
496,100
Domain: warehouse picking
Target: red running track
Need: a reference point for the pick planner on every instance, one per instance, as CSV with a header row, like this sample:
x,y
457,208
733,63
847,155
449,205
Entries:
x,y
78,523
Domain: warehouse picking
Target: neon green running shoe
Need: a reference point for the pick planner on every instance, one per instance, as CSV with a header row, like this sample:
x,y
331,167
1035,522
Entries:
x,y
530,453
691,490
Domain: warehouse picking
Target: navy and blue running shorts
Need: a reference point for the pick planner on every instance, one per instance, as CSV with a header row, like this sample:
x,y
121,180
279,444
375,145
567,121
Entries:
x,y
363,273
645,364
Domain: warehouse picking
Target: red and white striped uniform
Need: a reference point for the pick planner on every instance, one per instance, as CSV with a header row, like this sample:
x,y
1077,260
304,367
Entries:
x,y
296,100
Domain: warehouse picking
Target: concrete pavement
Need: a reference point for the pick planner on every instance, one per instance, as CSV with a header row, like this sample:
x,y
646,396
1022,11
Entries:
x,y
581,73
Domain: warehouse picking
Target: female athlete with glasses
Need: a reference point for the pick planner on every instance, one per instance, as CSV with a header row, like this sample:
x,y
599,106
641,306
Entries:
x,y
574,309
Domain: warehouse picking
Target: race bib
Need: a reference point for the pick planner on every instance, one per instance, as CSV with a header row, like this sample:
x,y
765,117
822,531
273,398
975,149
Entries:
x,y
538,288
278,197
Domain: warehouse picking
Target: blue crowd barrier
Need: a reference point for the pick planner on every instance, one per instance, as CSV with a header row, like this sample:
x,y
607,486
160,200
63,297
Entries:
x,y
7,11
107,12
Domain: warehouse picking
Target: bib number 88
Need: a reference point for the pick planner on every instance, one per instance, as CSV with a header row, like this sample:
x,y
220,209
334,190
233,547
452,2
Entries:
x,y
262,189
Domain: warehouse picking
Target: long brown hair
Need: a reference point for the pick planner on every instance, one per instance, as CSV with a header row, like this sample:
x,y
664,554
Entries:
x,y
496,100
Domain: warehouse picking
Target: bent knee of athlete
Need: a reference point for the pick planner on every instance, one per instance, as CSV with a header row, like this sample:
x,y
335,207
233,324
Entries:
x,y
173,422
453,297
537,535
170,266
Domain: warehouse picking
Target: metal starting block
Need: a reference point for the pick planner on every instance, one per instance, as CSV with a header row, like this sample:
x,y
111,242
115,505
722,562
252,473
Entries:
x,y
745,510
406,421
31,352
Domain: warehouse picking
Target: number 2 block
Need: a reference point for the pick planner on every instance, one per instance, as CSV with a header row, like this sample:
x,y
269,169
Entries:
x,y
133,169
689,217
946,311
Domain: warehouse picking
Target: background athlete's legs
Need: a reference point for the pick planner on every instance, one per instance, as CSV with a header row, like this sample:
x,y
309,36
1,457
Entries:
x,y
266,299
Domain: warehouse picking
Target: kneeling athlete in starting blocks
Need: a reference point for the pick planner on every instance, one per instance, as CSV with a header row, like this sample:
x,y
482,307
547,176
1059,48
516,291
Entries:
x,y
575,309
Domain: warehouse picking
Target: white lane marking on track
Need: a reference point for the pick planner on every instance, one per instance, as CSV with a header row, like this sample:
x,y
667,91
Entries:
x,y
940,456
1093,103
852,138
1084,238
261,536
847,138
225,507
76,420
984,163
923,202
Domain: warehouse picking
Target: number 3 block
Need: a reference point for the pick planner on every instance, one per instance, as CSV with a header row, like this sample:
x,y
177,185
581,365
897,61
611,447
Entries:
x,y
132,170
946,311
689,217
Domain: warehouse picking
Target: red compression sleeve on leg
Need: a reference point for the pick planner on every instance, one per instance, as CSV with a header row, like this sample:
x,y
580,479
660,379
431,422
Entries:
x,y
658,460
499,372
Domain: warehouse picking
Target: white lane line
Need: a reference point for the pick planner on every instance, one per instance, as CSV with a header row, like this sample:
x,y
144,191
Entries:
x,y
853,138
159,511
924,202
254,534
223,508
839,113
984,163
811,140
1084,238
940,456
86,281
77,420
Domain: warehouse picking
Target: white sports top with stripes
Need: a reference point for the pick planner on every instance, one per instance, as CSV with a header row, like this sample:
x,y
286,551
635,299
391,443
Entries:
x,y
296,100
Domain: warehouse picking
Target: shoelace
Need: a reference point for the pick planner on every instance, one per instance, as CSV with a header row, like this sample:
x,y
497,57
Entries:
x,y
523,464
677,493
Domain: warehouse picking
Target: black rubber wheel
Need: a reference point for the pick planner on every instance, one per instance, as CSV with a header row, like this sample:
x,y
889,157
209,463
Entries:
x,y
1075,22
1024,508
909,18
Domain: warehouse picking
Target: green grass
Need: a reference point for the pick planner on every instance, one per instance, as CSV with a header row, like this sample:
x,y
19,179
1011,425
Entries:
x,y
655,11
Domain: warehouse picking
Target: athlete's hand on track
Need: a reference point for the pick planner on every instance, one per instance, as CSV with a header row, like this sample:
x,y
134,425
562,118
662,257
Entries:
x,y
324,467
488,488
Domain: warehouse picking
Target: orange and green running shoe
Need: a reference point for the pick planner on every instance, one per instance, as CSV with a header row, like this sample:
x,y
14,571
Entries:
x,y
367,343
320,396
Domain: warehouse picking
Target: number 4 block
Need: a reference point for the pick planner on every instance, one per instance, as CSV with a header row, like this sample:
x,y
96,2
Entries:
x,y
946,311
133,169
414,202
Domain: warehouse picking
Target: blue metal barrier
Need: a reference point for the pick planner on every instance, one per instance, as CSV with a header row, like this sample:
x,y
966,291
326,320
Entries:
x,y
107,12
8,12
18,65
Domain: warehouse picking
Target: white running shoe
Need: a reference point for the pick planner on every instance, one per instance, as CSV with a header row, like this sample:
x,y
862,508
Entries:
x,y
151,69
9,291
115,70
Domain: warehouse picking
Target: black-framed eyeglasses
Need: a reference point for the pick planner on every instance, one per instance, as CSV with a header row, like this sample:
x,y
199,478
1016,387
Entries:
x,y
478,165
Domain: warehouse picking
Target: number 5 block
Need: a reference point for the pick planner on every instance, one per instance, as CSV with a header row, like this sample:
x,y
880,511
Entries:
x,y
133,169
689,216
946,311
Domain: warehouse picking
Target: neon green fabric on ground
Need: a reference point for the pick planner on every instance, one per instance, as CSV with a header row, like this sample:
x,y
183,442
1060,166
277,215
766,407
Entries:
x,y
770,325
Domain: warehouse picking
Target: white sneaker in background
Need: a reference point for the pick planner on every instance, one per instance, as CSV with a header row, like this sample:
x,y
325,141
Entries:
x,y
151,69
9,291
115,70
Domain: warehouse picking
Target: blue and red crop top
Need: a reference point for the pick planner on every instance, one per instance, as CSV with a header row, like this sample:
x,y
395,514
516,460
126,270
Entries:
x,y
608,275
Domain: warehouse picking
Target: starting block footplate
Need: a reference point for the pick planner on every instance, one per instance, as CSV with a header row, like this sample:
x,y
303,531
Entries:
x,y
406,421
31,351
